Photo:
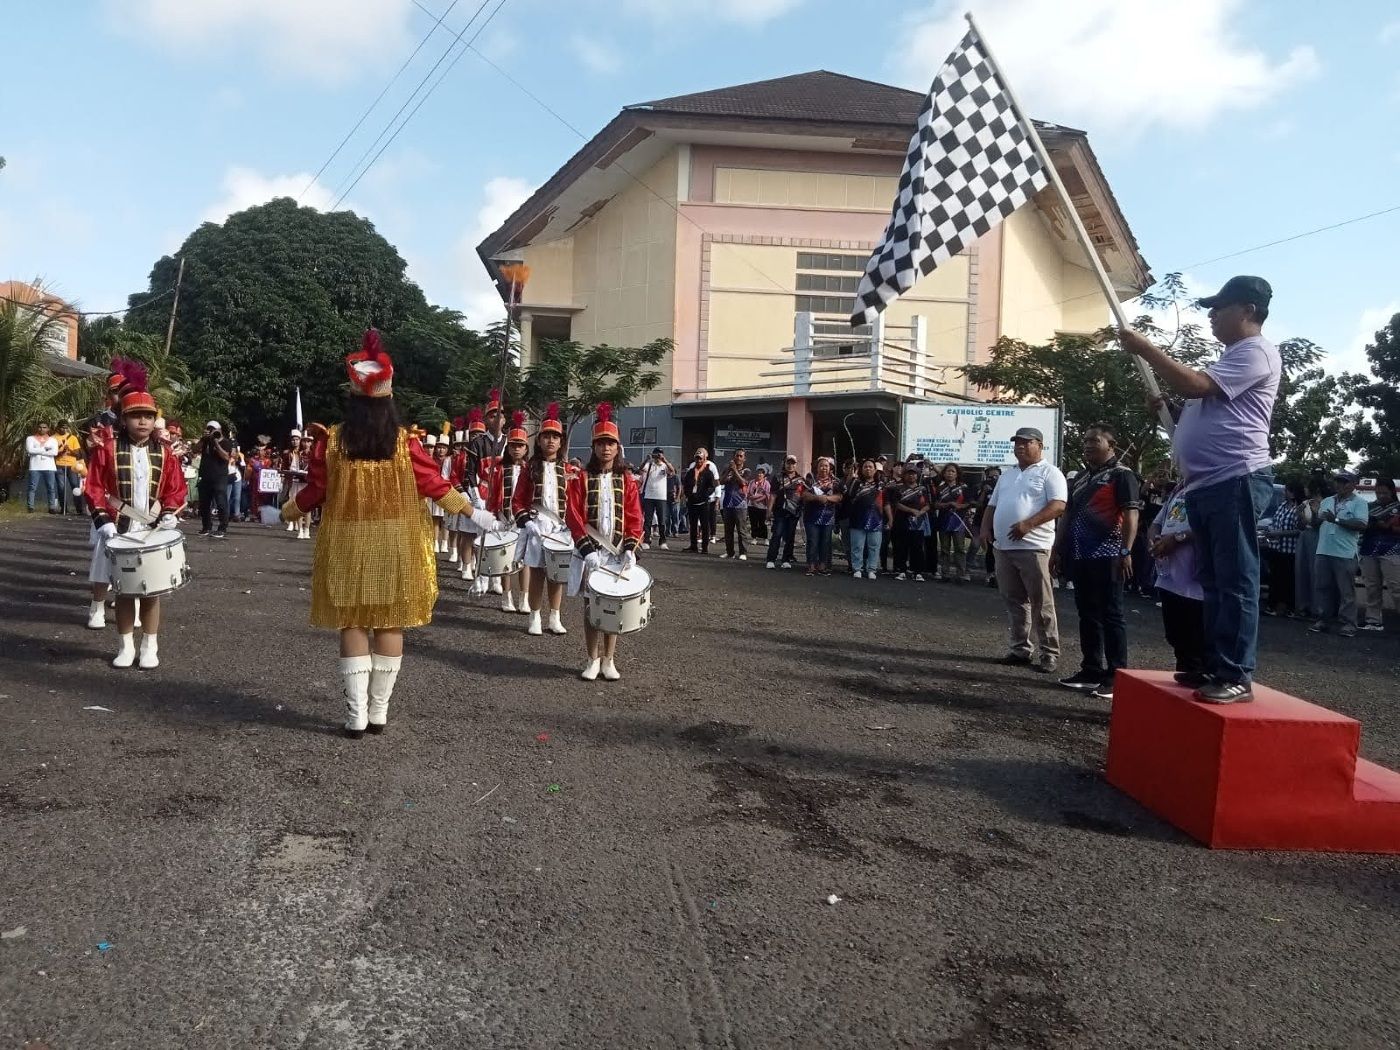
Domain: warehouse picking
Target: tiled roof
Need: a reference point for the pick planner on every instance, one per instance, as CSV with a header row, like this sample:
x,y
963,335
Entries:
x,y
820,95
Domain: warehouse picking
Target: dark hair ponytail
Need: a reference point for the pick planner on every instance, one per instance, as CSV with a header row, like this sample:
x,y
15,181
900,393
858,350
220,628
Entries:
x,y
371,428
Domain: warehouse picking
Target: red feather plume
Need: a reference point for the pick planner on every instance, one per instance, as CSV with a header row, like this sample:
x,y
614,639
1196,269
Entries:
x,y
494,395
552,410
476,416
459,423
371,346
517,418
604,414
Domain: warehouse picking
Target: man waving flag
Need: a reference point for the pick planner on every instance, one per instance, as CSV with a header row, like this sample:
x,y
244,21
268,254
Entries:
x,y
970,164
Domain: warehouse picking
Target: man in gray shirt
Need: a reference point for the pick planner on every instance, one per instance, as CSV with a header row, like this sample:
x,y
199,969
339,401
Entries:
x,y
1221,446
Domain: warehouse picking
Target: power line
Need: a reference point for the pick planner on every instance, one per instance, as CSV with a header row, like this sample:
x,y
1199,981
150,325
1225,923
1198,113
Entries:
x,y
378,98
66,312
1297,236
426,76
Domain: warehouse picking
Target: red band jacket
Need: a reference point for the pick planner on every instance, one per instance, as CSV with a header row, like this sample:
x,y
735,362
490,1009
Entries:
x,y
109,480
583,505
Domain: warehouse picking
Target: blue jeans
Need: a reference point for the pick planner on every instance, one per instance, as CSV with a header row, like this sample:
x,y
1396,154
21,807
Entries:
x,y
235,495
1224,519
48,480
781,536
865,549
818,545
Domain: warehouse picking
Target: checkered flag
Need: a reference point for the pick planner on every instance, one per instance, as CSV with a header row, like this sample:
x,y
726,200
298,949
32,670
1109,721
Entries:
x,y
970,164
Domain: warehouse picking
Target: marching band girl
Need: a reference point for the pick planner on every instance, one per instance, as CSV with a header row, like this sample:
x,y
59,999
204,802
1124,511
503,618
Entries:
x,y
602,501
298,457
373,573
132,471
441,456
486,446
538,505
469,482
505,479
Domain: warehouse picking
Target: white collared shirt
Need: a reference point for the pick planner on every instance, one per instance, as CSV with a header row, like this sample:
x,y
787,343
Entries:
x,y
141,478
549,494
606,510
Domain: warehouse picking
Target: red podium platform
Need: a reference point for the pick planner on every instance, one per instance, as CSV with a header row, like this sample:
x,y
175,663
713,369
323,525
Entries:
x,y
1278,773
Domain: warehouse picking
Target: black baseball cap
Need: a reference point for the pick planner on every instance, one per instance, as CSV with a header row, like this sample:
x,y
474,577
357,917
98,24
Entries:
x,y
657,452
1243,290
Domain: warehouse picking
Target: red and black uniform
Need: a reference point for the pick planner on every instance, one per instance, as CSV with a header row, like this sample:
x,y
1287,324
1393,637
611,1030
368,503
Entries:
x,y
583,502
109,480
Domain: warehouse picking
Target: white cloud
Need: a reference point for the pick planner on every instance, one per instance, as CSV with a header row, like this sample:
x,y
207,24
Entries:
x,y
744,12
480,301
1353,357
321,39
1390,32
1116,65
598,56
245,187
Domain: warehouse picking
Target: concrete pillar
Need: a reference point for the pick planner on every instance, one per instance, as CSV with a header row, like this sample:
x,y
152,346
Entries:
x,y
802,355
919,348
877,350
799,431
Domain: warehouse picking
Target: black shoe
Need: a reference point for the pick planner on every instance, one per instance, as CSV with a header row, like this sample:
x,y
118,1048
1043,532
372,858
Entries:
x,y
1224,693
1082,681
220,535
1103,691
1194,679
1014,660
692,550
204,532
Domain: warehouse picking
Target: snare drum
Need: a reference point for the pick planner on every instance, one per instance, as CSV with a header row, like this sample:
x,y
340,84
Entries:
x,y
498,553
618,605
558,553
148,564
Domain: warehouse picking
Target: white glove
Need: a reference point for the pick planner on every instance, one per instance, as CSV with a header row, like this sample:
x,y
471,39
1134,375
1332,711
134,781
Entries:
x,y
533,527
479,585
485,520
108,531
629,560
167,521
593,560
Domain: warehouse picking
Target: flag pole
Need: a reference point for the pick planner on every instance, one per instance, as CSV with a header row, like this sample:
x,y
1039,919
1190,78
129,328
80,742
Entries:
x,y
1119,314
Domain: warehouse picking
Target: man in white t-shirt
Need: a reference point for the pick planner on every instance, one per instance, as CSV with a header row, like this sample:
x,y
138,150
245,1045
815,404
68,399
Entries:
x,y
42,447
1024,505
653,480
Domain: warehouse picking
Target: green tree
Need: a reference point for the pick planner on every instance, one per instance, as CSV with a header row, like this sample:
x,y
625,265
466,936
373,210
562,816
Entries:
x,y
1376,434
1313,414
275,297
181,394
580,378
29,392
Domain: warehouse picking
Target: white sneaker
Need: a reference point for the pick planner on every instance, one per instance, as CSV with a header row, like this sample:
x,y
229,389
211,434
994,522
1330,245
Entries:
x,y
590,672
901,576
662,546
646,546
724,555
872,575
556,625
126,651
770,565
610,671
937,576
97,616
150,657
787,565
743,557
919,577
534,626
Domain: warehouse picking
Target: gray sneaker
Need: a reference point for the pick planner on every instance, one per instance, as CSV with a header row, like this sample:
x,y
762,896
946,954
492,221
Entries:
x,y
1224,693
1348,630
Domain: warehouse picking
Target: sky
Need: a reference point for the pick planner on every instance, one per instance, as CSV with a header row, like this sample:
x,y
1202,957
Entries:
x,y
1221,125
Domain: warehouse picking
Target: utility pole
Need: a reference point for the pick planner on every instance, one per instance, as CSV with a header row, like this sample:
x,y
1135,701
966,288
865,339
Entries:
x,y
170,328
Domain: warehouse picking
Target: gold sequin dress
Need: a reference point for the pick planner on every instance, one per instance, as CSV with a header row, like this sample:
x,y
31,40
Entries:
x,y
374,565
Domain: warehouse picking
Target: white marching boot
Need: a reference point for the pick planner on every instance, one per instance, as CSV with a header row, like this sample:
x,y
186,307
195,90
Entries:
x,y
468,570
556,625
304,530
590,673
97,615
354,678
610,671
452,555
497,585
150,657
508,604
383,675
534,627
291,526
126,651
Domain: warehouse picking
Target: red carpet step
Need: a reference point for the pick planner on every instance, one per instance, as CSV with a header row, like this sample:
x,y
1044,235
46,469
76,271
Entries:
x,y
1279,773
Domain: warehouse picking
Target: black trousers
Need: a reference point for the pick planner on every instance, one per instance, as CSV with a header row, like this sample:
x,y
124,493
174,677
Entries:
x,y
758,523
908,550
1183,620
1103,632
784,533
213,493
1282,572
702,524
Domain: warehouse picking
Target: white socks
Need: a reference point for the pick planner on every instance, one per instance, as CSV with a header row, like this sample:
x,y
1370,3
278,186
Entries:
x,y
610,670
97,615
383,674
556,626
354,677
534,627
590,673
149,656
126,651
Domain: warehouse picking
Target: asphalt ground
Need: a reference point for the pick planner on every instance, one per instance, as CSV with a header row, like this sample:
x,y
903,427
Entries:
x,y
528,860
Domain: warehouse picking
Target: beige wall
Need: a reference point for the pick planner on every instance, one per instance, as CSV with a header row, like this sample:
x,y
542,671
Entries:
x,y
624,268
1042,293
837,191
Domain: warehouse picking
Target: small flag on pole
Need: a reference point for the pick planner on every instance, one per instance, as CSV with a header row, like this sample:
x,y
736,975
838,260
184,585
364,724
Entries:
x,y
970,164
299,421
